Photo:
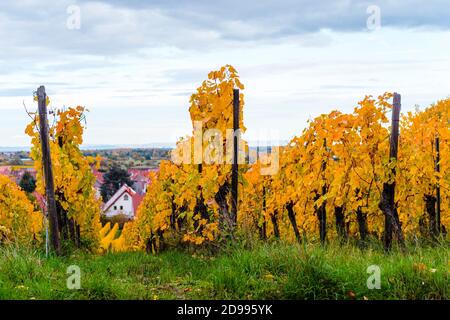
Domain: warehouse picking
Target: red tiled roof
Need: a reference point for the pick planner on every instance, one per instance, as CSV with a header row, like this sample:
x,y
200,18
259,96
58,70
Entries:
x,y
6,170
137,199
98,176
40,199
139,175
16,173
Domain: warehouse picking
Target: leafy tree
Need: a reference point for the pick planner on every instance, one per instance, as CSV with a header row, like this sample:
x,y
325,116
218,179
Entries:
x,y
77,205
113,180
28,182
19,222
189,201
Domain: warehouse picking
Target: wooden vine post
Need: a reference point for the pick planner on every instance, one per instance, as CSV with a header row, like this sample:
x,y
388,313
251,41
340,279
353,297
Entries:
x,y
387,202
322,211
48,172
235,165
438,190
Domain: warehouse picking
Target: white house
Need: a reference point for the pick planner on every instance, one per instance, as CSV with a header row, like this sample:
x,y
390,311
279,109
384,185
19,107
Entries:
x,y
124,202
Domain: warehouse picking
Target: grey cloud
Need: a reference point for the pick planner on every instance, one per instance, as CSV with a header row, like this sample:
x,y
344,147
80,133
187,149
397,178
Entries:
x,y
117,27
294,16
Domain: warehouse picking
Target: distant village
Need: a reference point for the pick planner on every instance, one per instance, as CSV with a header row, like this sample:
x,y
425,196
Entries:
x,y
132,168
121,181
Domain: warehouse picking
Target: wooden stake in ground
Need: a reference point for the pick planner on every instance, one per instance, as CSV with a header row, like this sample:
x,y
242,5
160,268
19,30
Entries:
x,y
235,167
322,209
387,202
438,190
48,173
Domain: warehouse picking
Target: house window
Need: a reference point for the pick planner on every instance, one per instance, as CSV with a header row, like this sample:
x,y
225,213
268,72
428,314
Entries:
x,y
121,207
115,207
125,198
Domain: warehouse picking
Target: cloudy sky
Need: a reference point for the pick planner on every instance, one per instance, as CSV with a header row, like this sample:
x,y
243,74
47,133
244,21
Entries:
x,y
134,64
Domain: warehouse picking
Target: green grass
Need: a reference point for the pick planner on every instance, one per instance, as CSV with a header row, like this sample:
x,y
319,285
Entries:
x,y
270,271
